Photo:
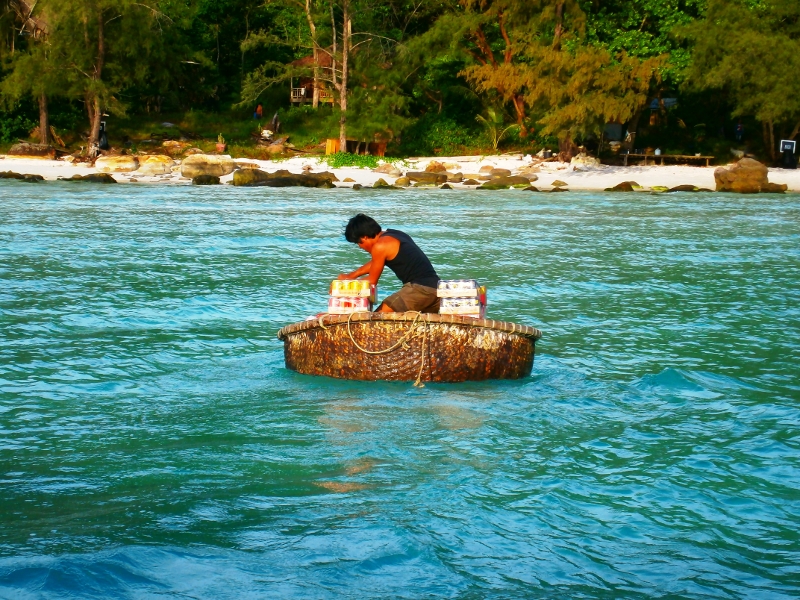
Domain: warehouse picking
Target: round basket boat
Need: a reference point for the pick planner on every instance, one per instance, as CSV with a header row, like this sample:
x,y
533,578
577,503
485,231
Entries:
x,y
409,347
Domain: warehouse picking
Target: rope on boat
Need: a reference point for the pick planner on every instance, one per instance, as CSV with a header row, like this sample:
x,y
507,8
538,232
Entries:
x,y
401,341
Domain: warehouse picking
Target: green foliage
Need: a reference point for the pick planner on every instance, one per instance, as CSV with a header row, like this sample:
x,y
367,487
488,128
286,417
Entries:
x,y
495,127
761,81
346,159
437,134
14,125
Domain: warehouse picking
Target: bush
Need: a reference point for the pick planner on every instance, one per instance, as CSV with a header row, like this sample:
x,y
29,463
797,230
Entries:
x,y
435,134
346,159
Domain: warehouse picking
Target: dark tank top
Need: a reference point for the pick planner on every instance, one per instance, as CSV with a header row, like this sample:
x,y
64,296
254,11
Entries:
x,y
411,265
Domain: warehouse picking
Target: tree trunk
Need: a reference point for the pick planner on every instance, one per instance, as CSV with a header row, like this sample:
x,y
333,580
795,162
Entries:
x,y
93,100
519,108
343,83
315,47
44,121
566,149
768,135
632,126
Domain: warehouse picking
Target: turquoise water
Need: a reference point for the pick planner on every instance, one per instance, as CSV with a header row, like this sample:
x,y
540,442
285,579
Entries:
x,y
152,444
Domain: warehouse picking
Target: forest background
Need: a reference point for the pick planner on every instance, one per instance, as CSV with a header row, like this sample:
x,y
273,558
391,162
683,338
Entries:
x,y
425,77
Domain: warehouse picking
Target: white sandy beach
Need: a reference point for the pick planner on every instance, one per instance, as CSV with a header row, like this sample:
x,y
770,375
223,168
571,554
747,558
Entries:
x,y
597,178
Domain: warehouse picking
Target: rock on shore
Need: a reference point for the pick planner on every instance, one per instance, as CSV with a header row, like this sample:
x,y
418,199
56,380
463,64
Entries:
x,y
746,176
207,164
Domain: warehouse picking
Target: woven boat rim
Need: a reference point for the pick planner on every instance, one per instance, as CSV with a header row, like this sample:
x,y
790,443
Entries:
x,y
332,320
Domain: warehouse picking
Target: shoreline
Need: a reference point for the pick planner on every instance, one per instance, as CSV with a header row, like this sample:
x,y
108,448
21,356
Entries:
x,y
582,178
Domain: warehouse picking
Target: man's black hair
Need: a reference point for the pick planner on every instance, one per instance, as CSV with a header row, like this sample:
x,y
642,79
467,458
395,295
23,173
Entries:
x,y
361,226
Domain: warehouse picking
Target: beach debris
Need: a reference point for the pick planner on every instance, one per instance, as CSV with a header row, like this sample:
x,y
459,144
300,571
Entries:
x,y
585,161
217,165
747,176
155,164
205,180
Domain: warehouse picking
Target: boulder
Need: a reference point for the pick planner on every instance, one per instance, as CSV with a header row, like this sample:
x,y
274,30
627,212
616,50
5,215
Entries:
x,y
190,151
345,180
116,164
174,147
446,186
558,183
282,178
625,186
276,148
207,164
530,188
746,176
205,180
774,188
684,188
530,176
31,178
659,188
92,178
402,182
357,186
380,183
155,164
471,182
32,150
502,183
559,189
450,166
496,173
388,169
474,176
585,161
528,169
486,169
427,177
455,178
11,175
435,167
249,165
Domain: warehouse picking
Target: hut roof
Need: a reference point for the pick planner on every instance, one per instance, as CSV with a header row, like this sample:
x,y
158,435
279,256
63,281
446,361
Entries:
x,y
324,59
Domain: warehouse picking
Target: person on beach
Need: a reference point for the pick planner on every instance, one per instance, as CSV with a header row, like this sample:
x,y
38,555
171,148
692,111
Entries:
x,y
397,251
258,112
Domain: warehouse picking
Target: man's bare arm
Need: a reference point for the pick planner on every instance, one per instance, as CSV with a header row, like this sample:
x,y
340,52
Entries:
x,y
359,272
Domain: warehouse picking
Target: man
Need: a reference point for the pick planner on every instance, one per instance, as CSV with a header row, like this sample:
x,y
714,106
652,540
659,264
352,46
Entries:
x,y
397,251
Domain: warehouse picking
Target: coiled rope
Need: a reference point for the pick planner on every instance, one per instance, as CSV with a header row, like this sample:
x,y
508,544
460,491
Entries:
x,y
402,341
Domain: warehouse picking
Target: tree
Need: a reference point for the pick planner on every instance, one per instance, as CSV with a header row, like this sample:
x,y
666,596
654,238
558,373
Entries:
x,y
756,66
31,70
534,55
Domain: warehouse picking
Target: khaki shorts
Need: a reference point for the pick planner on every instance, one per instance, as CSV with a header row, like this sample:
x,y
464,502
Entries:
x,y
413,296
